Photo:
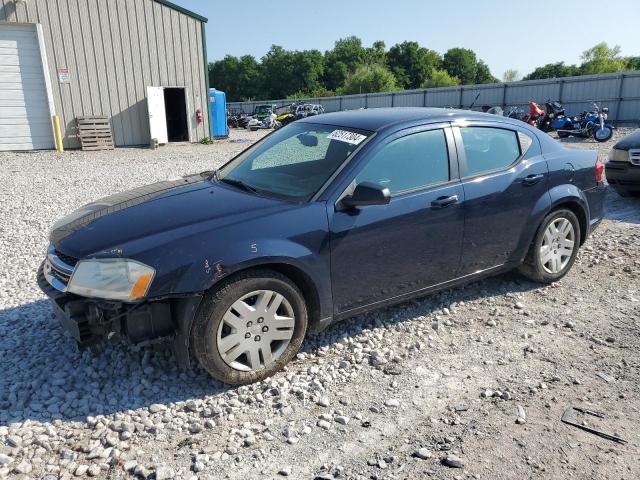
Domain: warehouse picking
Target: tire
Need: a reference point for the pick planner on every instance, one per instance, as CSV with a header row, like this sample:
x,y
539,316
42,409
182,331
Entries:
x,y
563,134
607,133
533,267
210,329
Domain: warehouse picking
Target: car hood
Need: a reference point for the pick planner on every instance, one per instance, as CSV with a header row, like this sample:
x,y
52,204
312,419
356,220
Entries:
x,y
101,228
630,141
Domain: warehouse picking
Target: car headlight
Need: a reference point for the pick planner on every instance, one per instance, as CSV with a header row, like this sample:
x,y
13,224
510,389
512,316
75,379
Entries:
x,y
111,279
616,155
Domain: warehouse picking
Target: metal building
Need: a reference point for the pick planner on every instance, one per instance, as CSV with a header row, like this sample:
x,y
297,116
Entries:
x,y
141,63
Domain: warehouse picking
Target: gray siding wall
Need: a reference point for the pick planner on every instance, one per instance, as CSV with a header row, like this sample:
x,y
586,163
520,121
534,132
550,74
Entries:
x,y
114,49
618,91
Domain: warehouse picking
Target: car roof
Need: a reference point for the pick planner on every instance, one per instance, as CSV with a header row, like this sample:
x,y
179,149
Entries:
x,y
377,119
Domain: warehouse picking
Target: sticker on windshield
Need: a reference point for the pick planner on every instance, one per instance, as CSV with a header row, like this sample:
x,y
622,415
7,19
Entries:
x,y
345,136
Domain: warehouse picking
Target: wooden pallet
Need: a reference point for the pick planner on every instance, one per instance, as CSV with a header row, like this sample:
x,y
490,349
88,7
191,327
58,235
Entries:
x,y
94,133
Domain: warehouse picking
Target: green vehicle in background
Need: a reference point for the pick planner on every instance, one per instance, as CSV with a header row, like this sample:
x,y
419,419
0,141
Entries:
x,y
262,111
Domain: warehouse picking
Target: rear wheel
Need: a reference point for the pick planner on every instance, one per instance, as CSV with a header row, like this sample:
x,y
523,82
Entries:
x,y
554,248
250,327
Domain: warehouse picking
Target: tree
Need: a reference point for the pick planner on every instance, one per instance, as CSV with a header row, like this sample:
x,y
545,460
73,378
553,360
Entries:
x,y
440,78
411,64
602,59
285,72
308,68
510,75
633,63
483,73
369,80
277,71
553,70
347,56
237,77
376,55
461,63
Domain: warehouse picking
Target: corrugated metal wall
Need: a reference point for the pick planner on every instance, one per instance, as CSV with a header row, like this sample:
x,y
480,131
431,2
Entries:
x,y
618,91
114,49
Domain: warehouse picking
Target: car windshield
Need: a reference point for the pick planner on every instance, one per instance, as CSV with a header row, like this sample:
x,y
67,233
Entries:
x,y
294,162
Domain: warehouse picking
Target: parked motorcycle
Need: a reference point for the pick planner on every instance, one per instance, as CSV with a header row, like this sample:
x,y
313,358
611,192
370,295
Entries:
x,y
269,122
237,119
553,111
587,124
535,112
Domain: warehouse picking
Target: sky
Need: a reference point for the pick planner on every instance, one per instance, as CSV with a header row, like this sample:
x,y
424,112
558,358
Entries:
x,y
504,33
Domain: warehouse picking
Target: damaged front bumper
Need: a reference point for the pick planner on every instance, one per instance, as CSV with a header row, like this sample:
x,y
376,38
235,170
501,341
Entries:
x,y
93,321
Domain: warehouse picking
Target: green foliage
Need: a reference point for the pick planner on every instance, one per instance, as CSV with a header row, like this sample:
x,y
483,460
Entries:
x,y
633,63
239,78
285,71
321,92
376,54
440,78
553,70
602,59
411,64
375,78
350,67
347,56
483,73
462,64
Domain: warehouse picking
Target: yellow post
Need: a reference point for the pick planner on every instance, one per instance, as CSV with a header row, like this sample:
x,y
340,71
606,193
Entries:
x,y
57,133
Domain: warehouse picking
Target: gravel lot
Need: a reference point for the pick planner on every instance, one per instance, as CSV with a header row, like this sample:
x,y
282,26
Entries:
x,y
468,383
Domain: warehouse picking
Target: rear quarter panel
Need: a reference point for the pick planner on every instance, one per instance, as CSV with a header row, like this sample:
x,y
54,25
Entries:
x,y
572,178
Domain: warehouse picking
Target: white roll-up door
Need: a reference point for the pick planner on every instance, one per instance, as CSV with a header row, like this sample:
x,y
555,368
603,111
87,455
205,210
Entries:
x,y
25,122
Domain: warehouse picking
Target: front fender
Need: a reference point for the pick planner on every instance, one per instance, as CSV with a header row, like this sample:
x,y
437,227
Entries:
x,y
308,254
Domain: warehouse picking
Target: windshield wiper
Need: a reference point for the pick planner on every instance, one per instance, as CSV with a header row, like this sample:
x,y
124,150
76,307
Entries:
x,y
238,183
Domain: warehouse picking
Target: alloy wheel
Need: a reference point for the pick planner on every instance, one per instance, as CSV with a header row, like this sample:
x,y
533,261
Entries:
x,y
256,330
557,246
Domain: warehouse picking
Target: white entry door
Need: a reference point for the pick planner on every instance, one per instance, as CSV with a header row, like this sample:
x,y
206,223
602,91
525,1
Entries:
x,y
25,120
157,114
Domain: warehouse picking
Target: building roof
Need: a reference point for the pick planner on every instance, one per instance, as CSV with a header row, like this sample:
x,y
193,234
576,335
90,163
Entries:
x,y
183,10
376,119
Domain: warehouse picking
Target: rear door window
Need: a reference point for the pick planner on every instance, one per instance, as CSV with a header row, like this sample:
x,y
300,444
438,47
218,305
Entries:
x,y
489,149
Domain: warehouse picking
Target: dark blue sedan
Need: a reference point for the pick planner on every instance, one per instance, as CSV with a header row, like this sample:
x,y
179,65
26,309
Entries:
x,y
326,218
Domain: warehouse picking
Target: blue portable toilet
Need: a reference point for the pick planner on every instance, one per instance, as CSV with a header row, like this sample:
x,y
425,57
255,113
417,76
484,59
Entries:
x,y
218,114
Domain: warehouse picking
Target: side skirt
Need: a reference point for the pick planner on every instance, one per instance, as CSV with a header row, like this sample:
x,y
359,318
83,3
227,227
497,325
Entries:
x,y
489,272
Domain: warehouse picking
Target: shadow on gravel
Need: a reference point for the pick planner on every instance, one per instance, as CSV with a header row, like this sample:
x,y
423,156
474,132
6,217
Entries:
x,y
621,209
43,377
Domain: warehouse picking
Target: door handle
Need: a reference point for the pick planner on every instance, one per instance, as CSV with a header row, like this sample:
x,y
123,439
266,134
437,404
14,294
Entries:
x,y
442,202
532,179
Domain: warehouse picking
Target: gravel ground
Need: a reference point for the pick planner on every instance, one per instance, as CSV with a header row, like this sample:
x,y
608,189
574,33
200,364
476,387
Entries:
x,y
467,383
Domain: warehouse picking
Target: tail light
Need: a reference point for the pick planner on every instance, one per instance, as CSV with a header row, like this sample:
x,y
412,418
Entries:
x,y
599,170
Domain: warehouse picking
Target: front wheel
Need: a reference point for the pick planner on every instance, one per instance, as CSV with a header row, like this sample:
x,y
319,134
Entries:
x,y
250,327
603,134
554,248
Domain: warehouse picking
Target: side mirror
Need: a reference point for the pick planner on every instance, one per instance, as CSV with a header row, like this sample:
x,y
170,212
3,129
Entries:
x,y
367,193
